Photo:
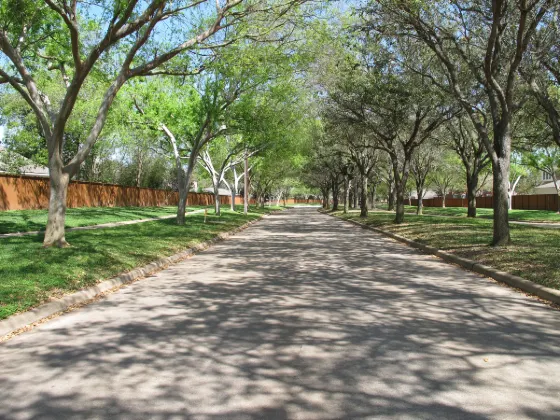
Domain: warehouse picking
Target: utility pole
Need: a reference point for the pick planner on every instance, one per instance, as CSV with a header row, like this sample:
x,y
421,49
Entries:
x,y
246,188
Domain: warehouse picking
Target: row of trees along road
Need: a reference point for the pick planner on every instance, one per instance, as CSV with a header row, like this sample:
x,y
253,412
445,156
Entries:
x,y
379,97
417,81
68,60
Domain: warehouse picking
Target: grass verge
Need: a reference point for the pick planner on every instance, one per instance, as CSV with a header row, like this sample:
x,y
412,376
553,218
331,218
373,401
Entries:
x,y
533,253
30,274
32,220
514,215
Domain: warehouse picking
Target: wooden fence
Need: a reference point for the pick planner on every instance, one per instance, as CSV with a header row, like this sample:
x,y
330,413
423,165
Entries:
x,y
26,192
519,202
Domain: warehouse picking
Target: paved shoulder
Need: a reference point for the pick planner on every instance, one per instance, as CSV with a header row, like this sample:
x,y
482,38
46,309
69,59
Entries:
x,y
301,316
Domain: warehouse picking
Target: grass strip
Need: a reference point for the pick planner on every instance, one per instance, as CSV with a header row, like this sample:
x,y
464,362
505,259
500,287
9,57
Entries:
x,y
514,215
31,220
30,274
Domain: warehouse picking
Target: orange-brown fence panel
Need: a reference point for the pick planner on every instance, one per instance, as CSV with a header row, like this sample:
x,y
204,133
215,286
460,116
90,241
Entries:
x,y
519,202
25,192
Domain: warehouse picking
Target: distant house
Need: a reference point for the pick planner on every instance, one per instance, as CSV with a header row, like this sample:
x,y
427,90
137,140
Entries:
x,y
221,191
547,188
16,164
427,194
546,185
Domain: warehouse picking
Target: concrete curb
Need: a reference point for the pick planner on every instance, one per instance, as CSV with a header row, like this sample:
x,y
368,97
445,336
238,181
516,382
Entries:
x,y
528,286
47,310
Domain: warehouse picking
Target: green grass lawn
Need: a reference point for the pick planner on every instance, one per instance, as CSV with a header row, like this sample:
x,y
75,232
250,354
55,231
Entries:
x,y
533,253
30,274
31,220
514,215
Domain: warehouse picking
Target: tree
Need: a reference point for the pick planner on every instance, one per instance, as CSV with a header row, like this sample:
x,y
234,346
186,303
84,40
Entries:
x,y
122,41
469,146
541,72
365,156
400,109
233,178
422,164
188,120
219,157
480,42
445,176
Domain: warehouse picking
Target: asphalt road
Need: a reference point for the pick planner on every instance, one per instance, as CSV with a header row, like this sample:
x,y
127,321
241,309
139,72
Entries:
x,y
301,316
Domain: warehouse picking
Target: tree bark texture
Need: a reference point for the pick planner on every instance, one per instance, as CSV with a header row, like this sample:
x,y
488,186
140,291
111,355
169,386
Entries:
x,y
419,205
501,234
472,184
54,234
346,194
399,217
335,192
363,197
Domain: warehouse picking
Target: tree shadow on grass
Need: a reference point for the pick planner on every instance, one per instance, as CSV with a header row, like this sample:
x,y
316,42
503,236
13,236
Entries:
x,y
294,319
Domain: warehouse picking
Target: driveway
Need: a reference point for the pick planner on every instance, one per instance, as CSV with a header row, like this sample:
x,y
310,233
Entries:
x,y
301,316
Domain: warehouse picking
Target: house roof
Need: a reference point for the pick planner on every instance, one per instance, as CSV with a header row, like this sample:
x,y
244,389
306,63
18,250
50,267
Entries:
x,y
14,163
548,185
221,191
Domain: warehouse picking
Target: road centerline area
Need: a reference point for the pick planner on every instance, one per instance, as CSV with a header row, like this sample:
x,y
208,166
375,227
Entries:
x,y
301,316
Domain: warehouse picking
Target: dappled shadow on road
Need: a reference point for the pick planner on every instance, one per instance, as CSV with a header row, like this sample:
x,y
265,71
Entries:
x,y
296,318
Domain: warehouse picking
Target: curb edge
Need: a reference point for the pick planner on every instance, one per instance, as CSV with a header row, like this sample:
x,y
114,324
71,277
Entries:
x,y
29,319
528,286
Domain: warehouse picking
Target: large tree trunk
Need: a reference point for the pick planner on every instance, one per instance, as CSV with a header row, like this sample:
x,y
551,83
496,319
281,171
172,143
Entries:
x,y
363,197
335,193
500,170
139,168
184,180
232,205
182,205
346,194
391,197
373,196
246,186
419,204
443,200
472,184
217,206
399,187
54,234
325,194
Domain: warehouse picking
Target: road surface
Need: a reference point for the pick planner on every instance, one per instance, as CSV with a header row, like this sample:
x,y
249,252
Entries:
x,y
301,316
